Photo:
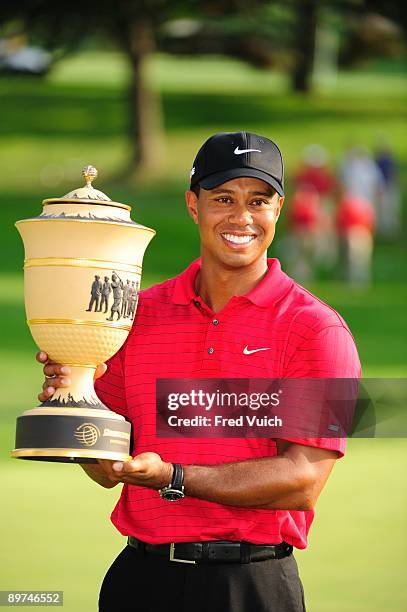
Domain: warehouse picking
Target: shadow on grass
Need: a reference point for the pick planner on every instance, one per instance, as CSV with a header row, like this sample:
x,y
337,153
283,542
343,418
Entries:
x,y
55,111
266,108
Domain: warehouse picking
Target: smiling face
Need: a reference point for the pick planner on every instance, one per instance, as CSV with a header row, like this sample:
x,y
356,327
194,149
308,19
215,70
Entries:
x,y
236,221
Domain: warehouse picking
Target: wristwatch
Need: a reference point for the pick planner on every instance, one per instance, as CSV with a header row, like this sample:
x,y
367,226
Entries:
x,y
175,490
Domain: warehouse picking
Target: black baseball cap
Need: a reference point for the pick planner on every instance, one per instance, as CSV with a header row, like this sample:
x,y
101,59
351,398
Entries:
x,y
229,155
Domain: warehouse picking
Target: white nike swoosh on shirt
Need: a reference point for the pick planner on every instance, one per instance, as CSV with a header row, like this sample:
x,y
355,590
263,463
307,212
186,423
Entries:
x,y
246,350
238,151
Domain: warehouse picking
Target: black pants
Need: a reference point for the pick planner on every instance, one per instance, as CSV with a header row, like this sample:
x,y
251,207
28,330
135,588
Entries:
x,y
138,583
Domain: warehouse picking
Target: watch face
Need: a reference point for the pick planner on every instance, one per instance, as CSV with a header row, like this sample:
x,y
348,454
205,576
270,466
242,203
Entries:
x,y
171,494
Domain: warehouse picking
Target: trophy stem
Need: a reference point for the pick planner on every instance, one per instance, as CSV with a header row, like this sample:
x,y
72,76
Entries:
x,y
80,393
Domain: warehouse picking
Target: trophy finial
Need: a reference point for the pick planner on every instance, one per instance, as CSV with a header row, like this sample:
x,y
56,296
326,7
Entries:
x,y
89,173
88,192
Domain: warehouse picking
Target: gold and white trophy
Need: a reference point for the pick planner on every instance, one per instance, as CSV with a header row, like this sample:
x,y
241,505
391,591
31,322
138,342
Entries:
x,y
82,271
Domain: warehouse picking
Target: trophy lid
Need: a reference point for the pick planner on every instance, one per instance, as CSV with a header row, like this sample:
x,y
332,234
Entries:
x,y
87,194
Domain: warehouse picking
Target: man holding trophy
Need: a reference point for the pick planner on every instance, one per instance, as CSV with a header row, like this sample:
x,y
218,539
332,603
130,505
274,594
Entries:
x,y
240,505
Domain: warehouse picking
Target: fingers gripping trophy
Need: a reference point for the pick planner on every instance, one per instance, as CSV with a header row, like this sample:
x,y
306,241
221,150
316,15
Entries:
x,y
83,254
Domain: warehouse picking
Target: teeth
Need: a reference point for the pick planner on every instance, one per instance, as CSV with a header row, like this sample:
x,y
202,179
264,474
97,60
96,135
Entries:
x,y
238,239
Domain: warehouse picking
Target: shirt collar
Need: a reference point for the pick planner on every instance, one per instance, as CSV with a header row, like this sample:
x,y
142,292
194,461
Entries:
x,y
184,289
272,287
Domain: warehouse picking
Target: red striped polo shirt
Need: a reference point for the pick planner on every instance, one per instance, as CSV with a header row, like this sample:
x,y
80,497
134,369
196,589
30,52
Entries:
x,y
175,334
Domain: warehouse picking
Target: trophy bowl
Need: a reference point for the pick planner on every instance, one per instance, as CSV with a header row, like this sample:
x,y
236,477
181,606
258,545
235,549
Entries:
x,y
82,272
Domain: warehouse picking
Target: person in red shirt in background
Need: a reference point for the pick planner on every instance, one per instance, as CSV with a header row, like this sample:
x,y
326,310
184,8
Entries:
x,y
355,225
315,176
315,171
304,226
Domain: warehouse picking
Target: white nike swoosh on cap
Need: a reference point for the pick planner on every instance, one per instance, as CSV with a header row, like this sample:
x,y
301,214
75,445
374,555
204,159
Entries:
x,y
246,350
238,151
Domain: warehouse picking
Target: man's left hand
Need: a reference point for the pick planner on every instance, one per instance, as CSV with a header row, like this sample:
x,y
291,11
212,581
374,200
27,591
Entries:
x,y
145,470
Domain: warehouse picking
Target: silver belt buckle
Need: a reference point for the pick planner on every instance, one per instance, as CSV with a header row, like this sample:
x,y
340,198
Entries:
x,y
172,558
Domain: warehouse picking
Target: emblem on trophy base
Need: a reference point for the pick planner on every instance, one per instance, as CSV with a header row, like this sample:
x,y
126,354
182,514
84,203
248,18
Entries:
x,y
82,273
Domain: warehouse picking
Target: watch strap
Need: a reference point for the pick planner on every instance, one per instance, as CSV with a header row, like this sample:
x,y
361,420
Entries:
x,y
177,477
175,490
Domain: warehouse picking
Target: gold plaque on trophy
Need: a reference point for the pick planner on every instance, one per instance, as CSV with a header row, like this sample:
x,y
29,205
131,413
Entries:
x,y
82,272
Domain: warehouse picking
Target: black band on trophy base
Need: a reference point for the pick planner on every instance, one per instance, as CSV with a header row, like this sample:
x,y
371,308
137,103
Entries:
x,y
67,438
84,403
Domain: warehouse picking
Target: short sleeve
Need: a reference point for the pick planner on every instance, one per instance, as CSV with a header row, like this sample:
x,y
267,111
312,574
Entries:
x,y
330,353
110,387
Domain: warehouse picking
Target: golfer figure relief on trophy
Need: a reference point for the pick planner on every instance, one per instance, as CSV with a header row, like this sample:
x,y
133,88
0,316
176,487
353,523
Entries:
x,y
82,271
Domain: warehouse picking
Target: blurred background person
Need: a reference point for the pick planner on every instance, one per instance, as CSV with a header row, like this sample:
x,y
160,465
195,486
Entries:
x,y
355,225
304,226
360,176
388,209
315,173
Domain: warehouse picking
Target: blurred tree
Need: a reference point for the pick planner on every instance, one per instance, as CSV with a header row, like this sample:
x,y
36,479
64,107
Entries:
x,y
284,33
375,28
369,28
131,24
134,26
263,32
304,43
395,10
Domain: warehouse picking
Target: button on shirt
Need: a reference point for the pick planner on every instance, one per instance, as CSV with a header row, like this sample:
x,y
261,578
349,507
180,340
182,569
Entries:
x,y
175,334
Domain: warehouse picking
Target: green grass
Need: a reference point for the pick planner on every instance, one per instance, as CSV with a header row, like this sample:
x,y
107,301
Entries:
x,y
84,102
58,535
55,532
359,516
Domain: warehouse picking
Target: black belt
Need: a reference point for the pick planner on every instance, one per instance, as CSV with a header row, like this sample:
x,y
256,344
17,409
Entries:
x,y
216,551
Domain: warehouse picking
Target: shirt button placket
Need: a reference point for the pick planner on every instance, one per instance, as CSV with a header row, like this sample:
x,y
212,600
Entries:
x,y
211,349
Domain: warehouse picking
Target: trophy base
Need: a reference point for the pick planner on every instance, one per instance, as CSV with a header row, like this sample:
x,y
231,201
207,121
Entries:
x,y
72,435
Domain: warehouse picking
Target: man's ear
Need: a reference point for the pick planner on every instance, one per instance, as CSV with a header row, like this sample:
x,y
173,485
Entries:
x,y
279,206
191,200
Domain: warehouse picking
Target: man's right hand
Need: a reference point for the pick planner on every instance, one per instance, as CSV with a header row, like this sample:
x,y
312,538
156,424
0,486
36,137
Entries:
x,y
57,375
